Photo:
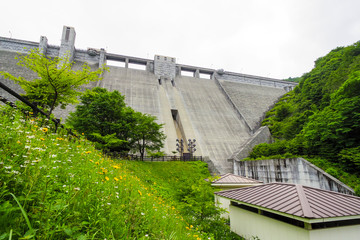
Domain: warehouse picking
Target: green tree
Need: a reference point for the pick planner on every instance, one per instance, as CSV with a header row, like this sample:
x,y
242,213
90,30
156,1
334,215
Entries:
x,y
146,134
105,119
57,84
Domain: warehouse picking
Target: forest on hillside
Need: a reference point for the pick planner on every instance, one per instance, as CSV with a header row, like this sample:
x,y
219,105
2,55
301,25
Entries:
x,y
321,117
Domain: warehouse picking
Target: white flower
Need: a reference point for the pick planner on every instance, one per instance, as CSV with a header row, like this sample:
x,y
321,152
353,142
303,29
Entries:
x,y
64,185
108,203
8,167
77,189
142,213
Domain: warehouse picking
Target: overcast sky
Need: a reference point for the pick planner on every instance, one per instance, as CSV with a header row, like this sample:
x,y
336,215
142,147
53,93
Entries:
x,y
270,38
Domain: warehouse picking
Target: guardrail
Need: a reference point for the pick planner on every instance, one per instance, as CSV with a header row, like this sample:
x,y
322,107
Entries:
x,y
134,157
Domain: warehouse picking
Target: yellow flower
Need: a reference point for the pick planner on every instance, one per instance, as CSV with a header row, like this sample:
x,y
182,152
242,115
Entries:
x,y
42,139
116,179
18,142
88,152
45,130
106,178
35,126
140,193
82,133
116,167
97,163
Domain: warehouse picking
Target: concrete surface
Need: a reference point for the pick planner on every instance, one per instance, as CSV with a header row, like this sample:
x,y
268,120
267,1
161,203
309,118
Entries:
x,y
291,170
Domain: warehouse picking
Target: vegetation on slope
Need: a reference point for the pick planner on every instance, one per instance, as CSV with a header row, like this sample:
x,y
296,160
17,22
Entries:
x,y
53,186
320,119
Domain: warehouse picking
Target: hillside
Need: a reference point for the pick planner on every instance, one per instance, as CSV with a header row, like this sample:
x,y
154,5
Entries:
x,y
56,186
320,119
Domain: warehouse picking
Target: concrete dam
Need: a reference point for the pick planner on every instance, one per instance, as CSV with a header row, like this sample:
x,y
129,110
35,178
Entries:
x,y
221,110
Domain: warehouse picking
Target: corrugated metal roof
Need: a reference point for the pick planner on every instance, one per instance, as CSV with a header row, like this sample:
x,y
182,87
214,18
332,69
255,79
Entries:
x,y
230,178
297,200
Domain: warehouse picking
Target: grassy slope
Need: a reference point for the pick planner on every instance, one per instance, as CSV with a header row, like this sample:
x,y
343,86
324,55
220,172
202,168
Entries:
x,y
69,190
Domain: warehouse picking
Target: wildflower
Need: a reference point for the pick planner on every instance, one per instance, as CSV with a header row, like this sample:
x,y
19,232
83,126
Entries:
x,y
139,192
45,130
97,163
142,214
116,167
107,178
42,139
18,142
116,179
77,189
88,152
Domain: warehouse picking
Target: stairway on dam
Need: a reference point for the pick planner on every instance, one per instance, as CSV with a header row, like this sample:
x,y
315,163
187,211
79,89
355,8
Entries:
x,y
253,101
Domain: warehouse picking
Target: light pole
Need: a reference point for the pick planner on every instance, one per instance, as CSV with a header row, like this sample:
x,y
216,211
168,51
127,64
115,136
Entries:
x,y
180,146
191,146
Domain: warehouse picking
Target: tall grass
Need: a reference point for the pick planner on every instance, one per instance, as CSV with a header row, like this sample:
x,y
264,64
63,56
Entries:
x,y
53,186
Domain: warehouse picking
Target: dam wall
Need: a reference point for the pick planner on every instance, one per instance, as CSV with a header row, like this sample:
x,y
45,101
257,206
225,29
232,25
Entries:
x,y
220,110
291,170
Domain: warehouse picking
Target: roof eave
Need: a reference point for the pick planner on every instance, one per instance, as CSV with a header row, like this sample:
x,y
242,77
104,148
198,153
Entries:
x,y
235,184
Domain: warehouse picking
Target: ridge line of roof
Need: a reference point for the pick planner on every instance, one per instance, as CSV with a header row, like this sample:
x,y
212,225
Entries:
x,y
304,202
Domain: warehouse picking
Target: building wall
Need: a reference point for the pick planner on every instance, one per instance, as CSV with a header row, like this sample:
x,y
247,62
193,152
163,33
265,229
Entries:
x,y
223,203
336,233
249,224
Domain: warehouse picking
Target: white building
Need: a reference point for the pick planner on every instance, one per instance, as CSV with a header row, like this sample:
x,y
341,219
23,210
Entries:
x,y
280,211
